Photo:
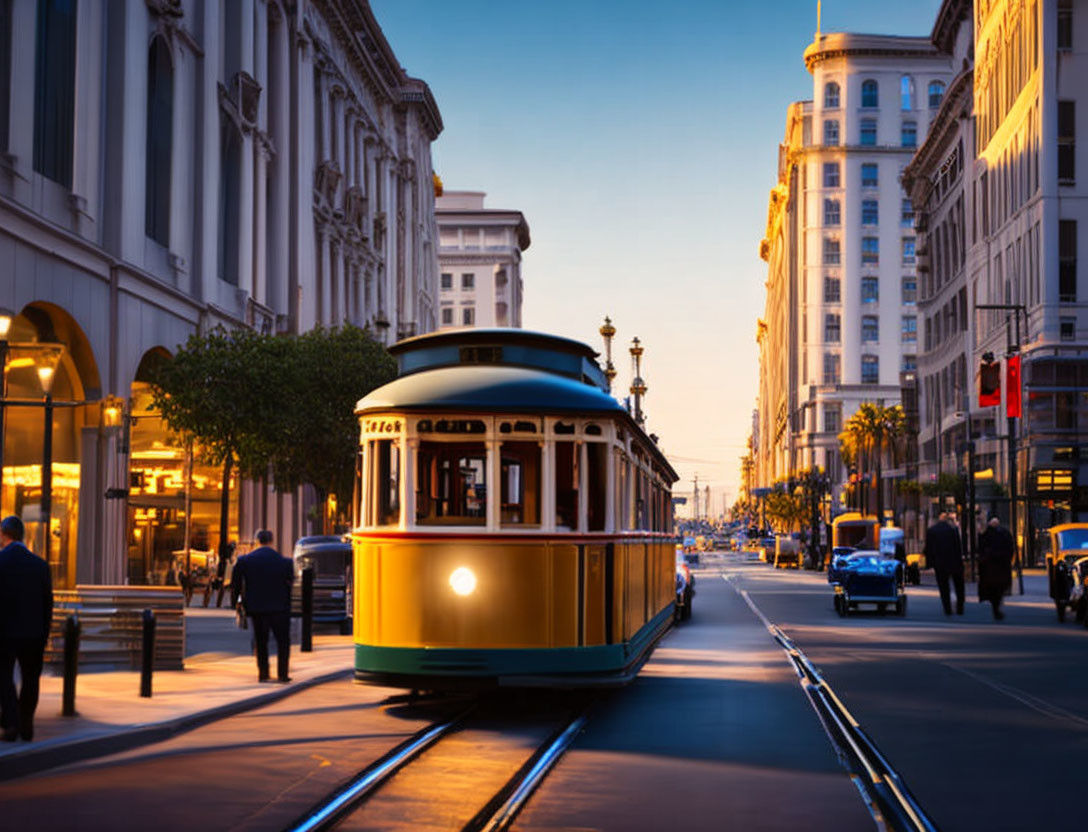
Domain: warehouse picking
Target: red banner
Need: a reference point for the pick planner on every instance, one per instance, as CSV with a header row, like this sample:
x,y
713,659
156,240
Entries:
x,y
1012,387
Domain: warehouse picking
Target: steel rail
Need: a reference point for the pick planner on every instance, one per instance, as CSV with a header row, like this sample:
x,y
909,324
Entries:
x,y
522,785
331,810
883,785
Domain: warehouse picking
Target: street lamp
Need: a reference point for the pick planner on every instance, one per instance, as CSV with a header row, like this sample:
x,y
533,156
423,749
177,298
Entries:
x,y
46,359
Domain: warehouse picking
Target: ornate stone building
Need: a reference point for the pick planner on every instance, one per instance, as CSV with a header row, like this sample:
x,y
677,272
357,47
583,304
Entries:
x,y
170,165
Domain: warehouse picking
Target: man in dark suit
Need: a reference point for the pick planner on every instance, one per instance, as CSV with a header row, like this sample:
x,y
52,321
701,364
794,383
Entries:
x,y
944,552
26,611
263,578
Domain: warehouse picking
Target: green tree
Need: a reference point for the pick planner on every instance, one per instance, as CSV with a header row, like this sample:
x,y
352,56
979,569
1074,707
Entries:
x,y
872,430
329,370
220,391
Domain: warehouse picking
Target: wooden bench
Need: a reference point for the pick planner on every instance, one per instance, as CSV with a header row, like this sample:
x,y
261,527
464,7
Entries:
x,y
111,619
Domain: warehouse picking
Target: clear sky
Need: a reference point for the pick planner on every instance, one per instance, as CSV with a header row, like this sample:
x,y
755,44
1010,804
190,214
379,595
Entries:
x,y
640,140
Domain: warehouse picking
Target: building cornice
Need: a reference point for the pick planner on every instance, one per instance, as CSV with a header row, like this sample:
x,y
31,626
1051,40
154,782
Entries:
x,y
834,45
958,103
949,17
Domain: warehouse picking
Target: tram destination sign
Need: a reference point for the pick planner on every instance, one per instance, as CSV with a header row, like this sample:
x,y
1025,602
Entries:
x,y
381,425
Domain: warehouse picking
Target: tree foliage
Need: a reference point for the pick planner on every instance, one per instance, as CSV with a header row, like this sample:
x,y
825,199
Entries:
x,y
284,404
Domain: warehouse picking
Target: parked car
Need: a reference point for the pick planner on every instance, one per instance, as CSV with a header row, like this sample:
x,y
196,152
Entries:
x,y
787,552
1068,547
330,557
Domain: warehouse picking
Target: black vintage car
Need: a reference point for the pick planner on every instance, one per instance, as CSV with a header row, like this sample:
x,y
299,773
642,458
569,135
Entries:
x,y
867,577
330,557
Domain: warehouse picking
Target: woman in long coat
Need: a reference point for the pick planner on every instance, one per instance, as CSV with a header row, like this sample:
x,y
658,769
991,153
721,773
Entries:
x,y
996,551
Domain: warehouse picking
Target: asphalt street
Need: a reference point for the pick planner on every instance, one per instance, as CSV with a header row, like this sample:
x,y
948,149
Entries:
x,y
986,721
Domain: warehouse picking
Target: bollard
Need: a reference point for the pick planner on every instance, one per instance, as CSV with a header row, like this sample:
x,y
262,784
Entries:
x,y
72,629
148,653
307,610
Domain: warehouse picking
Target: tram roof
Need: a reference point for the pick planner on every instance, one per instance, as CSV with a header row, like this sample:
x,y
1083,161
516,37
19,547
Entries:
x,y
498,389
500,347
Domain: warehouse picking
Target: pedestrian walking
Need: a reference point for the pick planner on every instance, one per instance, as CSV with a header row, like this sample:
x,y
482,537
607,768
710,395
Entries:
x,y
996,550
26,612
263,578
944,552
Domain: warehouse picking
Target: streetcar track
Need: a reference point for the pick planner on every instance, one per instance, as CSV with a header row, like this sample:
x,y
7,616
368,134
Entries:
x,y
883,789
498,811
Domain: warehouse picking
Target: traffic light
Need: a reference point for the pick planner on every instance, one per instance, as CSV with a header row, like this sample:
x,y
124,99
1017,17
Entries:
x,y
989,382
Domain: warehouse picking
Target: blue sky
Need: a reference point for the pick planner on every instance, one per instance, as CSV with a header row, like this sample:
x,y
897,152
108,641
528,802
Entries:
x,y
640,141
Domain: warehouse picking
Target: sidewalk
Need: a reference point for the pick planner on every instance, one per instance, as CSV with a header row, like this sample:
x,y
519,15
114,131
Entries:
x,y
220,679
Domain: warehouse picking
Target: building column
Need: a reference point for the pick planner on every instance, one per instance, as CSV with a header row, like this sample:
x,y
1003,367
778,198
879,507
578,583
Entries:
x,y
260,225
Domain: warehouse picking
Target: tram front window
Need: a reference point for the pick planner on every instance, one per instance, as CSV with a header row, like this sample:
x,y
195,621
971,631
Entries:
x,y
520,484
385,480
451,484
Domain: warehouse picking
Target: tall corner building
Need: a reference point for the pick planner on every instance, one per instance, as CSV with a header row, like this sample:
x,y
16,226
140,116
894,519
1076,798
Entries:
x,y
851,319
479,258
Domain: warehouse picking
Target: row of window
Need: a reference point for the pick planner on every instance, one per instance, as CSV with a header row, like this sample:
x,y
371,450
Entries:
x,y
870,290
870,175
870,369
949,320
870,93
870,251
945,391
468,315
1011,55
908,133
870,212
947,244
468,281
452,486
870,328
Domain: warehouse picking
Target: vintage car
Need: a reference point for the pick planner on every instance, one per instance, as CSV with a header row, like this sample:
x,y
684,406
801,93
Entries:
x,y
787,552
867,577
330,558
1068,547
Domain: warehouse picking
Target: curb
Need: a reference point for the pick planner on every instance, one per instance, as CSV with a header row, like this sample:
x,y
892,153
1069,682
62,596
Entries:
x,y
60,752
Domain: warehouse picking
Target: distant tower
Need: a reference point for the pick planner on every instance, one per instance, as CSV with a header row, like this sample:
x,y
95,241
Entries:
x,y
638,386
608,332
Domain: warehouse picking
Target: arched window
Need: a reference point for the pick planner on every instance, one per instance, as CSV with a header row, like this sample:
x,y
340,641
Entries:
x,y
906,93
936,94
831,94
160,133
870,96
230,168
54,90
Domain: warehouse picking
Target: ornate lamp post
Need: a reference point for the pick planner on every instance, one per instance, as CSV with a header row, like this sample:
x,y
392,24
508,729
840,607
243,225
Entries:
x,y
46,360
608,332
638,386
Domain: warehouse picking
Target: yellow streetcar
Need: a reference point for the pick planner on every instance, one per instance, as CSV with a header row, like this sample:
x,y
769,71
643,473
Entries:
x,y
513,523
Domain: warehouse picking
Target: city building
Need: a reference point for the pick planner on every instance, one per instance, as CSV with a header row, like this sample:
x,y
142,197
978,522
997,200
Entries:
x,y
166,167
854,323
479,256
777,331
1029,222
939,182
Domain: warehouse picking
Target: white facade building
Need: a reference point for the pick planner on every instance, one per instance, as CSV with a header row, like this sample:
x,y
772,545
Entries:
x,y
170,165
479,254
874,98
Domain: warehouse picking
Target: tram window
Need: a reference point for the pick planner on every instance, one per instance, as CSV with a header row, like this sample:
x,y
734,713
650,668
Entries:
x,y
566,485
564,428
520,485
385,482
451,484
517,427
596,483
460,426
593,430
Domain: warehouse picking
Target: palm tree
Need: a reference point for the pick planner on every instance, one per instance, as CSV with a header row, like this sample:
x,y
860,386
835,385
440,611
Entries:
x,y
867,433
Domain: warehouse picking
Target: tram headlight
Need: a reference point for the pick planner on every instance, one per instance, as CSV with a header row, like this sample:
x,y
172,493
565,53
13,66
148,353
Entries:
x,y
463,580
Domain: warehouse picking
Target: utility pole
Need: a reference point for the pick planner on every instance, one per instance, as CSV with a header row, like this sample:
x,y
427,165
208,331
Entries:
x,y
695,500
